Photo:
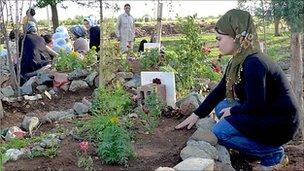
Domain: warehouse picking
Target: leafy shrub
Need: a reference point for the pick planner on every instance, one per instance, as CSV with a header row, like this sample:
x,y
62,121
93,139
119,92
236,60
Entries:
x,y
154,106
113,102
115,146
74,60
68,61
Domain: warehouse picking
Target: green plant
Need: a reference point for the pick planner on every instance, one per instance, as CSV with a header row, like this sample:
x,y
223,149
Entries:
x,y
149,59
187,57
51,152
90,57
85,162
113,102
68,61
154,106
115,146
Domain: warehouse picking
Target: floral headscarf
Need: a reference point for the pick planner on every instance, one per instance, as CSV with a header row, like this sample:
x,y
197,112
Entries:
x,y
239,25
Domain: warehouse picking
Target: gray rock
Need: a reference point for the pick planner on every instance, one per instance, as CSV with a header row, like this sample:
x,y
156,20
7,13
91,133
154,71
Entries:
x,y
57,115
95,93
199,98
193,151
223,167
107,78
90,78
29,123
204,135
125,75
44,78
27,87
33,98
86,102
134,82
206,147
197,164
8,91
78,85
80,108
164,169
77,74
189,105
50,142
205,123
13,154
223,153
62,136
41,88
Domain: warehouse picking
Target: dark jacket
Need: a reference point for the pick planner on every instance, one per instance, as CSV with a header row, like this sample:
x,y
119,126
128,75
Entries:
x,y
94,37
34,55
269,112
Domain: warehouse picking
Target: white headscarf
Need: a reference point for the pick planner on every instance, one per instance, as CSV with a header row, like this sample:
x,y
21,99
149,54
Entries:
x,y
60,43
92,20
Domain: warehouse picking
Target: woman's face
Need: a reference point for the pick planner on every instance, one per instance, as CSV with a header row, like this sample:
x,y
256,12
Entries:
x,y
87,25
225,43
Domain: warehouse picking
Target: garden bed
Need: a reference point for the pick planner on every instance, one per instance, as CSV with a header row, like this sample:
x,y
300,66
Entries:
x,y
152,150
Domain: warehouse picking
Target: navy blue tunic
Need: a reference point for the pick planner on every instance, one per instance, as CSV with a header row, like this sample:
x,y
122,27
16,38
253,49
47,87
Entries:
x,y
269,112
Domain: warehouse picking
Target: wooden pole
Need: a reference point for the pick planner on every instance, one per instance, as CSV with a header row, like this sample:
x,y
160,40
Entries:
x,y
1,110
159,24
296,73
101,58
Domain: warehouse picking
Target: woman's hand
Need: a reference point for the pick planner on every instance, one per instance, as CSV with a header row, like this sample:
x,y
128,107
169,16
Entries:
x,y
190,121
225,111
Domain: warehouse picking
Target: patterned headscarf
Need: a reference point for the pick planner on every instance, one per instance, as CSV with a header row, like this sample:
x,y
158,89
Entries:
x,y
78,31
239,25
92,20
31,27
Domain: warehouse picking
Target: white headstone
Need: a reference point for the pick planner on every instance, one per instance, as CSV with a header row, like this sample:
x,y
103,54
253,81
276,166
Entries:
x,y
166,78
151,45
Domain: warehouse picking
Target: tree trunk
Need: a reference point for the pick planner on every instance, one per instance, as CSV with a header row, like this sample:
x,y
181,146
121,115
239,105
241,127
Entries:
x,y
101,59
277,26
296,73
159,24
1,110
54,17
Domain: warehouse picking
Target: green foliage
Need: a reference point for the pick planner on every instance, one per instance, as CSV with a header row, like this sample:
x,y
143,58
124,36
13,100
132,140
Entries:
x,y
149,59
90,57
68,61
85,162
49,152
187,59
44,3
73,60
115,146
154,105
293,13
95,127
20,143
75,21
113,102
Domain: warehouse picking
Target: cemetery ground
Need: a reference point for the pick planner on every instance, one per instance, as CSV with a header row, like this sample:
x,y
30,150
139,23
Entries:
x,y
82,127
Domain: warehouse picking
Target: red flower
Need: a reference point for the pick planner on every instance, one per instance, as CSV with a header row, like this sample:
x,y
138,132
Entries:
x,y
217,69
84,146
206,50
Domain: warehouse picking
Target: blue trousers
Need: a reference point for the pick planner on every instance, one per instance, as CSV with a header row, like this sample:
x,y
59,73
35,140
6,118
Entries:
x,y
231,138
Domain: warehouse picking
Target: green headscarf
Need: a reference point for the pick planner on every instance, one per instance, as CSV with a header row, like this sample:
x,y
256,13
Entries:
x,y
239,25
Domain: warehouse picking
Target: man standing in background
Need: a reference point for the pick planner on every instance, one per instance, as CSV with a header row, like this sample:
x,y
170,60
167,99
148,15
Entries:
x,y
125,30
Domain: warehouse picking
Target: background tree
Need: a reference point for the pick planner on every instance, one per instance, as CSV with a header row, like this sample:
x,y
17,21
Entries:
x,y
53,4
293,13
